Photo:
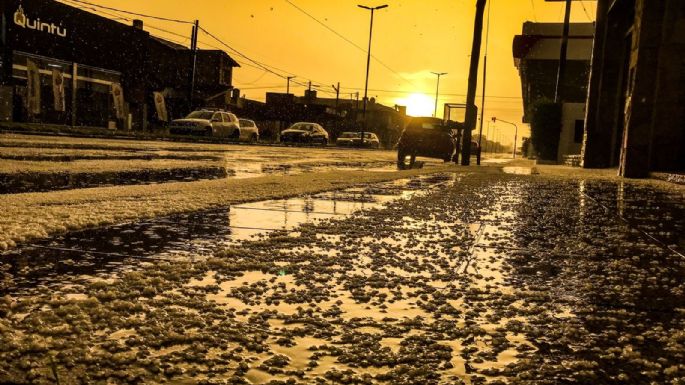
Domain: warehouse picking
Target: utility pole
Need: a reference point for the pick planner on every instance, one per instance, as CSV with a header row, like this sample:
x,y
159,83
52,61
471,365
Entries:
x,y
287,88
337,95
471,112
368,62
193,63
487,136
558,94
485,72
337,101
437,89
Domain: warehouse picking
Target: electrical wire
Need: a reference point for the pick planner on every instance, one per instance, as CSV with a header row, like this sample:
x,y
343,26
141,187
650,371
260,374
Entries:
x,y
259,64
350,42
585,10
442,93
134,13
532,4
248,62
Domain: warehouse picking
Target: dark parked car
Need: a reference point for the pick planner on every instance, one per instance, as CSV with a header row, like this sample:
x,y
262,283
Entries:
x,y
427,137
304,132
431,138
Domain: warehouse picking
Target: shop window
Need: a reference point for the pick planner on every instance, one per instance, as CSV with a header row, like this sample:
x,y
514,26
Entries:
x,y
94,104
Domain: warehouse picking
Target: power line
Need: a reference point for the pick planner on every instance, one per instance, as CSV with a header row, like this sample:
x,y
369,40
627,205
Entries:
x,y
259,64
248,62
442,93
585,10
350,42
532,4
133,13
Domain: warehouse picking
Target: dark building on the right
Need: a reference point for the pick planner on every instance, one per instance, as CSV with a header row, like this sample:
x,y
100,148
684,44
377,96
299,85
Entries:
x,y
635,116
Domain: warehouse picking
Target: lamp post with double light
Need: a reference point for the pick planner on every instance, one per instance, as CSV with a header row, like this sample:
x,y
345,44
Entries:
x,y
368,63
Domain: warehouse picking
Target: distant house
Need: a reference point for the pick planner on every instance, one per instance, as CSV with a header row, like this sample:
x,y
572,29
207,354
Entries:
x,y
536,56
636,100
80,60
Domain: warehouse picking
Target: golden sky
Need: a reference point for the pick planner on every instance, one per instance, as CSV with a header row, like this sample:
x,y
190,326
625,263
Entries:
x,y
411,38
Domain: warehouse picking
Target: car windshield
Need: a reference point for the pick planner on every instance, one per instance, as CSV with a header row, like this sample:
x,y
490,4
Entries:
x,y
350,135
245,123
302,127
200,115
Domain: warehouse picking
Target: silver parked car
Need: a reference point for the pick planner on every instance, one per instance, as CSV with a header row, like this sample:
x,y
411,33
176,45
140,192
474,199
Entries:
x,y
354,139
304,132
207,123
249,131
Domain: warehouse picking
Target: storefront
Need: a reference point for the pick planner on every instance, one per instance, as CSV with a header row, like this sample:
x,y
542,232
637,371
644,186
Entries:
x,y
63,65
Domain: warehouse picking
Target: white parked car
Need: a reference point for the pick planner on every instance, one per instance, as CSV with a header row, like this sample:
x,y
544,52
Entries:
x,y
249,131
207,123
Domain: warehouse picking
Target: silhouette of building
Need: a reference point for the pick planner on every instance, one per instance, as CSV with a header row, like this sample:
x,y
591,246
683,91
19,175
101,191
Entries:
x,y
80,61
536,56
336,115
636,100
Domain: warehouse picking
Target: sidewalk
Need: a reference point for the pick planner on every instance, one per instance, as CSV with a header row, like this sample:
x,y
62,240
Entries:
x,y
493,279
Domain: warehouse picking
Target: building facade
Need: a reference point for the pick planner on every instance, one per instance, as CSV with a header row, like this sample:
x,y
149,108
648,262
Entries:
x,y
63,65
536,56
636,101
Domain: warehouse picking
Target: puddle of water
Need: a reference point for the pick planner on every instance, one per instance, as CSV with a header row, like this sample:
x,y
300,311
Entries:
x,y
14,183
520,170
103,253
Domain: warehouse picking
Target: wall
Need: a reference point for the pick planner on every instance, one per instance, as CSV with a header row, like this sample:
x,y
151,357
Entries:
x,y
636,102
571,112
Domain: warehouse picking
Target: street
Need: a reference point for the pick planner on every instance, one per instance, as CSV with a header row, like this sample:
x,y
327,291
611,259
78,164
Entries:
x,y
328,266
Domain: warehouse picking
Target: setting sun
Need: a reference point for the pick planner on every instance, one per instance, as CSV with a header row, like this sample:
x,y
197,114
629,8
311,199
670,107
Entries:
x,y
418,104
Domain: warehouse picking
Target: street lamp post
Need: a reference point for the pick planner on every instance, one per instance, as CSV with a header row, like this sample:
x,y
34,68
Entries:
x,y
368,63
437,89
516,131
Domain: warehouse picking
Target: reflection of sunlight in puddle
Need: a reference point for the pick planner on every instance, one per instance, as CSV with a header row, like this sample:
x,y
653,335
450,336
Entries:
x,y
520,170
105,252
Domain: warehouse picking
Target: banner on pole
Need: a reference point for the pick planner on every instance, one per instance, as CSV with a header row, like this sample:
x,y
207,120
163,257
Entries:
x,y
160,105
118,96
58,90
33,87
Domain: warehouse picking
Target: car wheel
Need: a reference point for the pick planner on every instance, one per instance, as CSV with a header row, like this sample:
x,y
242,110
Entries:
x,y
405,159
253,138
209,131
324,142
235,135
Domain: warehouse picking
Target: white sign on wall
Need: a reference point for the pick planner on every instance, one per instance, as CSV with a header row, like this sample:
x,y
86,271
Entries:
x,y
36,24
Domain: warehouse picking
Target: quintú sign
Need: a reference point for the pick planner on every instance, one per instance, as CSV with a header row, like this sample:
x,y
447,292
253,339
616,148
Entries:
x,y
23,21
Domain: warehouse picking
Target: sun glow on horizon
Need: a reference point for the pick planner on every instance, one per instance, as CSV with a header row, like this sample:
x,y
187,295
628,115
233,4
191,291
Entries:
x,y
418,104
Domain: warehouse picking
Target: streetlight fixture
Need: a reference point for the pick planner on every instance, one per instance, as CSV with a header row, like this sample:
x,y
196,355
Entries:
x,y
516,131
368,63
437,89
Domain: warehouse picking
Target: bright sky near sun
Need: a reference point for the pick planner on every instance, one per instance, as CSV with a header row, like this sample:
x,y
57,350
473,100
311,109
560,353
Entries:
x,y
411,39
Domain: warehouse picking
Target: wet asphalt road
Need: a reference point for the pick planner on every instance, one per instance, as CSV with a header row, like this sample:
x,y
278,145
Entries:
x,y
456,278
